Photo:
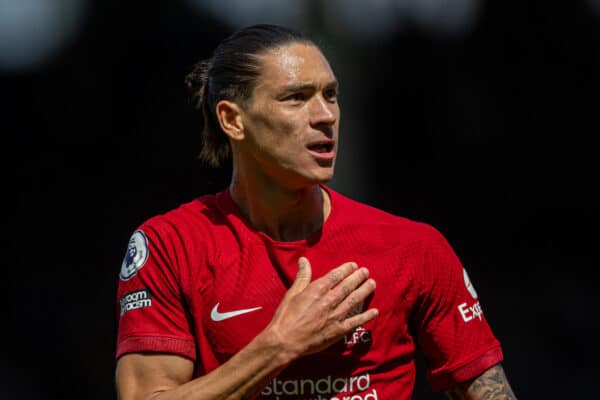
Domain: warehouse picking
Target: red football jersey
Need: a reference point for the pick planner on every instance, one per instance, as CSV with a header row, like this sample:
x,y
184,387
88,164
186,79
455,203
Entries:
x,y
200,282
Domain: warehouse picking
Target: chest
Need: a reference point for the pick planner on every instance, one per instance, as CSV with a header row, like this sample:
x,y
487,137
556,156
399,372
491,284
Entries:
x,y
247,284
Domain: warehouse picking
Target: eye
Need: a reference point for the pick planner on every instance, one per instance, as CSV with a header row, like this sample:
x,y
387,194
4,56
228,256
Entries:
x,y
330,94
295,97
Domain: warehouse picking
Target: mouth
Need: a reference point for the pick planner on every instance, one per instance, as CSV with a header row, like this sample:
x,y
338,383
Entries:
x,y
322,152
322,147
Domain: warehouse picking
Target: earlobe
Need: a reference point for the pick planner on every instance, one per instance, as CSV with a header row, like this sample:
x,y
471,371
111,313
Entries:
x,y
230,119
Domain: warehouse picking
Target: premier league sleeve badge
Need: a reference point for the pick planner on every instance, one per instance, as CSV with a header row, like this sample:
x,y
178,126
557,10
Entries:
x,y
136,255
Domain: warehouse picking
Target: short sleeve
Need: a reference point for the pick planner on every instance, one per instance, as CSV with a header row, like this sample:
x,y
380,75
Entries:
x,y
452,332
151,310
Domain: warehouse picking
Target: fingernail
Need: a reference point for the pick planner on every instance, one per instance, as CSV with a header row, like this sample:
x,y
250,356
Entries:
x,y
354,265
302,262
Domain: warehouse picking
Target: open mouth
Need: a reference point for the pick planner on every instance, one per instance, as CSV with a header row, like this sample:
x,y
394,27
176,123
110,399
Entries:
x,y
324,147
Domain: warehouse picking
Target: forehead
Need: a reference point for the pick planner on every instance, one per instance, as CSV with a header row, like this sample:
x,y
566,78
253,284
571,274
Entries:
x,y
293,64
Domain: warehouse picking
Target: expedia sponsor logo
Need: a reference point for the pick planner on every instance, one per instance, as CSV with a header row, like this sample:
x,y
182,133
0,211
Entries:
x,y
473,311
326,388
469,313
134,300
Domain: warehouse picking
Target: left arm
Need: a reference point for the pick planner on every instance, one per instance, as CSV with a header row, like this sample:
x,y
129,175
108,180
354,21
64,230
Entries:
x,y
491,385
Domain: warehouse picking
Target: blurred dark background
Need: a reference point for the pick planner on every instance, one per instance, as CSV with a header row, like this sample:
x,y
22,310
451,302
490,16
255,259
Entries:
x,y
478,117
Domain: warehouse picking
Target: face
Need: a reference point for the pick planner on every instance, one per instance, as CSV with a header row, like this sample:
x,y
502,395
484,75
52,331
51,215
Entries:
x,y
292,119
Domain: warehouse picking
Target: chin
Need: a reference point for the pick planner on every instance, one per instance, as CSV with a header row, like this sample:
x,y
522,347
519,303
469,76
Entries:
x,y
322,177
303,177
307,180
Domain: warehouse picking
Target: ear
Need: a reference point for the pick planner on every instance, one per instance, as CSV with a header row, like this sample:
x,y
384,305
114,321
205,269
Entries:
x,y
230,118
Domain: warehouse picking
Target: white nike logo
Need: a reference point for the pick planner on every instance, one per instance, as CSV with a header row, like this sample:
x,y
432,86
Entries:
x,y
217,316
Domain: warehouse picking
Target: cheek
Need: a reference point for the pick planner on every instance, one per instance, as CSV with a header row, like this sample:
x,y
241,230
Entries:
x,y
276,128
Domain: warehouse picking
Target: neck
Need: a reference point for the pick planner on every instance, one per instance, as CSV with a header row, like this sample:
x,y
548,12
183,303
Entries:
x,y
283,214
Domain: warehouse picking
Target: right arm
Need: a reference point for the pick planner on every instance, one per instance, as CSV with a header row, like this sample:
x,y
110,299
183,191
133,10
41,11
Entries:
x,y
311,317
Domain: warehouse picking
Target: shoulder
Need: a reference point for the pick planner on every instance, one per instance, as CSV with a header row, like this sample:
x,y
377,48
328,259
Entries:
x,y
175,242
375,220
195,215
187,230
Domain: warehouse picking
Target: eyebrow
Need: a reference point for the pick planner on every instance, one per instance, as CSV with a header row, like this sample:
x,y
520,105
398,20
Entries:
x,y
307,86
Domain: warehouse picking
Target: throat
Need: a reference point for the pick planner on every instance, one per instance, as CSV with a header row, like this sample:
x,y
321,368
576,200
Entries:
x,y
285,218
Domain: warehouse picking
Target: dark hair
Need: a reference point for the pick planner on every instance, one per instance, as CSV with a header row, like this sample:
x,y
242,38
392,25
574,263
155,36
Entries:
x,y
230,74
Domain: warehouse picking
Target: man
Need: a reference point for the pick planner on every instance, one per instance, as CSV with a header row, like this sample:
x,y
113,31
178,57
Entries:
x,y
268,289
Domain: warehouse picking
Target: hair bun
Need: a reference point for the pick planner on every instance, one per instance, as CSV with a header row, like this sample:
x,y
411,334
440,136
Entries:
x,y
197,80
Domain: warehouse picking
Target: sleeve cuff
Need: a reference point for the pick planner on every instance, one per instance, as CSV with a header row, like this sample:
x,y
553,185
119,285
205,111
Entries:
x,y
445,380
157,344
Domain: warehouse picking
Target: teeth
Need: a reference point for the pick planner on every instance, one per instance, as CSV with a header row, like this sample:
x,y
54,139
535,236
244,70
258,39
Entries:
x,y
320,148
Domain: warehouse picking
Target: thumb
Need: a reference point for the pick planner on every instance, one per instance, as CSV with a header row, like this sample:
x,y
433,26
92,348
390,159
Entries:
x,y
303,276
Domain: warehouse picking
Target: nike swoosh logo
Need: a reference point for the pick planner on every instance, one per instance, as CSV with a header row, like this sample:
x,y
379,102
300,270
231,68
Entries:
x,y
217,316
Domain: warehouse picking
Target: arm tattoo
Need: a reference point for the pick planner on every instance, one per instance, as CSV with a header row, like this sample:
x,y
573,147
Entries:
x,y
491,385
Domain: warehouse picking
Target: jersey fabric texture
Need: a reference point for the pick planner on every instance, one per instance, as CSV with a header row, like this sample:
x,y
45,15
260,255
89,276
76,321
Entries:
x,y
201,283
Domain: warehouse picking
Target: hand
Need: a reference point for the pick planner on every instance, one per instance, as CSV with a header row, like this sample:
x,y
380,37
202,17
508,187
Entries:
x,y
314,315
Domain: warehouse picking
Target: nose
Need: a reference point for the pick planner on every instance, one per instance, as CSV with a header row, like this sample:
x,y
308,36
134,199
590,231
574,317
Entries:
x,y
323,113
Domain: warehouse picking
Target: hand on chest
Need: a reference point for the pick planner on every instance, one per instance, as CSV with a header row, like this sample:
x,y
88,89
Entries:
x,y
246,291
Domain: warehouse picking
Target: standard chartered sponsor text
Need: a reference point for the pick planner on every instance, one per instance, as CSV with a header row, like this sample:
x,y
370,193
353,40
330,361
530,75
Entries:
x,y
326,388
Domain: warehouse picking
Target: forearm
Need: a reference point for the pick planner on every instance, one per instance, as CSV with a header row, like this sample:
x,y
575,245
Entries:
x,y
241,377
491,385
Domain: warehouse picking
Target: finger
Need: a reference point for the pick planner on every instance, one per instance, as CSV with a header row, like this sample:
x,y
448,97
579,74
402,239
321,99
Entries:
x,y
360,319
348,285
354,299
303,276
336,275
